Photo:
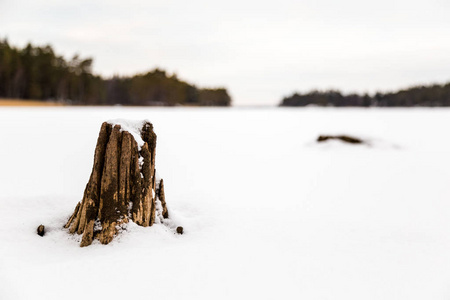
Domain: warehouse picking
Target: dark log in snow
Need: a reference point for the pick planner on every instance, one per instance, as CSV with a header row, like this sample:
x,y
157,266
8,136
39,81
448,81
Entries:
x,y
343,138
122,183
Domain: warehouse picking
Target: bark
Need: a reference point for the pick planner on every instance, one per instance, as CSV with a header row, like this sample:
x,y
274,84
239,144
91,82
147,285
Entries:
x,y
121,186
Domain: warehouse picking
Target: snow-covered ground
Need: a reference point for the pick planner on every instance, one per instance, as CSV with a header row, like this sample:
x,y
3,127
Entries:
x,y
267,212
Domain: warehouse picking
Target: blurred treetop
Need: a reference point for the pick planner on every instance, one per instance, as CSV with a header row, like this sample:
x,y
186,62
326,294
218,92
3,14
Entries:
x,y
38,73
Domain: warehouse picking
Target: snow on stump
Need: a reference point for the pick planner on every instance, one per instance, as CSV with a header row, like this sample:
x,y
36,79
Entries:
x,y
123,184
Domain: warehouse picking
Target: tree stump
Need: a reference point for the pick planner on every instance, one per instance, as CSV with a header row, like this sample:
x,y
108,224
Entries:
x,y
122,185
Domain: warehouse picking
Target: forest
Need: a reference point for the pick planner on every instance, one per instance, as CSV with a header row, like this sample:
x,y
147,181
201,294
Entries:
x,y
431,95
38,73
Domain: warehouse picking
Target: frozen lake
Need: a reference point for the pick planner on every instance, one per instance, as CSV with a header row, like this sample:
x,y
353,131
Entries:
x,y
268,213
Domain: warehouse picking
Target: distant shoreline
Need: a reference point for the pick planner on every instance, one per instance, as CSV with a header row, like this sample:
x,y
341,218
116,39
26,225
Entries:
x,y
37,103
38,73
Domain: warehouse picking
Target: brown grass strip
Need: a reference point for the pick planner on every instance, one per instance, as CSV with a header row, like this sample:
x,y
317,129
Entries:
x,y
21,102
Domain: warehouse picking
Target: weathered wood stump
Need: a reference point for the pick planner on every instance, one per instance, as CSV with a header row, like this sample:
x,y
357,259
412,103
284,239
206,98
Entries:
x,y
122,185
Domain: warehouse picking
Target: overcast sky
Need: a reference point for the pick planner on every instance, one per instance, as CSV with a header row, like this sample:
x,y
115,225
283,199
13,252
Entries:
x,y
259,50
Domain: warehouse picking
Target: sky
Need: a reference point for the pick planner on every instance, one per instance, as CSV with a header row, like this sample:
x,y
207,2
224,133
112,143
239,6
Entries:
x,y
261,51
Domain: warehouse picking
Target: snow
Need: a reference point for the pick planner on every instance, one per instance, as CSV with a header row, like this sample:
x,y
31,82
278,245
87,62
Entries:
x,y
267,212
133,127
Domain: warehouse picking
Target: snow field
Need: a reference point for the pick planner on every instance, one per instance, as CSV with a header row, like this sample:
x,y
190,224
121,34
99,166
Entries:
x,y
268,213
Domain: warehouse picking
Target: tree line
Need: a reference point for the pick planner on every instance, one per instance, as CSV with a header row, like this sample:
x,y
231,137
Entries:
x,y
431,95
38,73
